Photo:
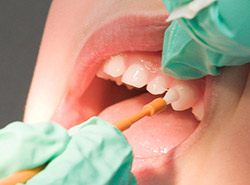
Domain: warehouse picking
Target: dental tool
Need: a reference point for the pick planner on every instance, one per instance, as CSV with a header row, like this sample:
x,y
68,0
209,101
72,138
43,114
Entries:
x,y
150,109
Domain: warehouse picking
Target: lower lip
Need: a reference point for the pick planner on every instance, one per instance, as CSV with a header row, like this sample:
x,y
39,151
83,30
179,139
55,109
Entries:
x,y
159,169
151,164
149,167
153,146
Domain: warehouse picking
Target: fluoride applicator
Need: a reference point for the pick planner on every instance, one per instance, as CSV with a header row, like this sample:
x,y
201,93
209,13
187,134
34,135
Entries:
x,y
150,109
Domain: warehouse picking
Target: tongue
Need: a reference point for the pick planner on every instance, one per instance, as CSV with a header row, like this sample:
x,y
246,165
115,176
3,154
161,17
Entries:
x,y
152,136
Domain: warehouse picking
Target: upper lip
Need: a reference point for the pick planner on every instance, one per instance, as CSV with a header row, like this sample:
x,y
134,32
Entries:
x,y
129,33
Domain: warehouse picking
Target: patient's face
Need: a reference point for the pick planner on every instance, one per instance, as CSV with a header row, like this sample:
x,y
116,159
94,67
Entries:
x,y
102,58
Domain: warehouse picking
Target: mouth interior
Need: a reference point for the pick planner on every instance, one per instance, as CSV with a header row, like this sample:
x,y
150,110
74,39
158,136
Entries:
x,y
149,137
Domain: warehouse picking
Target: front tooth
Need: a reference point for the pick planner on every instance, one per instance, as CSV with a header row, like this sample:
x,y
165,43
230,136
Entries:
x,y
100,73
171,96
135,75
198,110
189,93
157,85
115,67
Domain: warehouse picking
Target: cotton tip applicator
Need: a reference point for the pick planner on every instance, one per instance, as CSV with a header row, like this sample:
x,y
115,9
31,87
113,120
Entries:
x,y
171,96
150,109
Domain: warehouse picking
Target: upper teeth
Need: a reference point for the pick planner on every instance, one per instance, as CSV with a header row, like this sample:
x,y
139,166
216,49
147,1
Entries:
x,y
136,73
157,85
115,67
188,91
198,110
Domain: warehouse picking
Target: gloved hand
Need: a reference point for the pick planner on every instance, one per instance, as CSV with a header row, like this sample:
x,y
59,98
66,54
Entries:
x,y
217,36
24,146
94,153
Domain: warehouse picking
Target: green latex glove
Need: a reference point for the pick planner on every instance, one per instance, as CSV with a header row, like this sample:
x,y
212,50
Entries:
x,y
97,153
24,146
217,36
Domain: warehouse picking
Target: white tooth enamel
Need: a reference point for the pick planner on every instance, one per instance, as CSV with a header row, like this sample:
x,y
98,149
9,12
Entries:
x,y
135,75
157,85
171,96
115,67
189,93
198,110
100,73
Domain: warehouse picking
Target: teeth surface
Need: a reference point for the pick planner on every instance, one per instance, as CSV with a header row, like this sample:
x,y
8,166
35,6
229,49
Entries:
x,y
135,75
171,96
115,67
188,95
137,72
100,73
157,85
198,110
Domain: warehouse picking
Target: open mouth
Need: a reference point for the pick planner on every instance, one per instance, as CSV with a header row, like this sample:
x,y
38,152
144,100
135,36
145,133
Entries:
x,y
140,73
118,83
122,85
117,72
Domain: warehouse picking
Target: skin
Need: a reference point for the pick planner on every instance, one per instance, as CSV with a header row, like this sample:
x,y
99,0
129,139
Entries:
x,y
221,155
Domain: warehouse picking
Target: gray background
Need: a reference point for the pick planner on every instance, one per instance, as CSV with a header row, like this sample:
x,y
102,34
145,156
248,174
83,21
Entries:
x,y
21,27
